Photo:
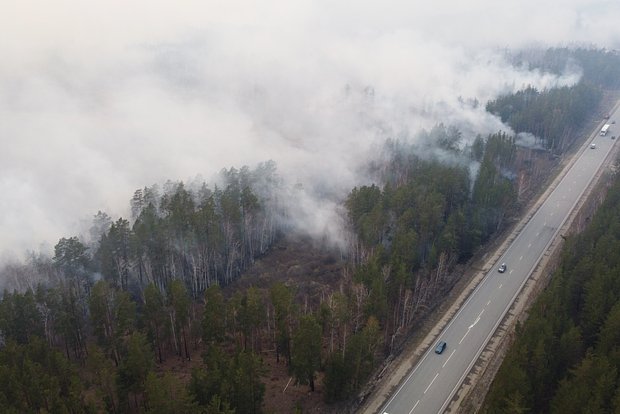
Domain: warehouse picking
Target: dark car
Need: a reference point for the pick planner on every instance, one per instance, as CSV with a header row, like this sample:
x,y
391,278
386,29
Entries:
x,y
502,268
440,347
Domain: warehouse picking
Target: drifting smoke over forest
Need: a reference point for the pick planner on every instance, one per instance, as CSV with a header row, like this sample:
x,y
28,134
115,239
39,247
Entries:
x,y
95,107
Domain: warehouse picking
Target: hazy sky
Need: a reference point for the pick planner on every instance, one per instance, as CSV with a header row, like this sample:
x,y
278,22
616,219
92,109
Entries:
x,y
98,98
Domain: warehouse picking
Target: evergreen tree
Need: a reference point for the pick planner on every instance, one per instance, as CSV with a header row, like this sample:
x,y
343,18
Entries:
x,y
306,356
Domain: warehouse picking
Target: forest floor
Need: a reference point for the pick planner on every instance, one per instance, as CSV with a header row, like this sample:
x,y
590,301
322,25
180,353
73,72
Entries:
x,y
312,271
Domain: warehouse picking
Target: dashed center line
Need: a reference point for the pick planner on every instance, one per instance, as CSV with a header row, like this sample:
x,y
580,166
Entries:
x,y
530,245
476,321
520,258
444,364
488,303
429,385
464,337
500,286
416,404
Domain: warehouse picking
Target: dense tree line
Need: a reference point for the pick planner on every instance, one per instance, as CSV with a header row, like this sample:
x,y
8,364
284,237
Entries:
x,y
554,115
566,356
551,115
200,236
429,216
153,271
112,368
597,66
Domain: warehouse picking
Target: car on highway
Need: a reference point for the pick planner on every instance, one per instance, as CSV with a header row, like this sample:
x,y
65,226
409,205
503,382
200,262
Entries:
x,y
592,145
440,347
502,268
613,137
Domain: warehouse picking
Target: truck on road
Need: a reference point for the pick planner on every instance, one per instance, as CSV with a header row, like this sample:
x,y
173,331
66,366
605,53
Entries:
x,y
605,129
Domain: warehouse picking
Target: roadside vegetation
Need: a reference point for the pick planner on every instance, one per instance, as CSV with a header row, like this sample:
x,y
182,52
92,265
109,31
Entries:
x,y
566,357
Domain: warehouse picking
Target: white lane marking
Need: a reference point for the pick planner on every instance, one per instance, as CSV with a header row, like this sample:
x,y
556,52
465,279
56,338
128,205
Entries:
x,y
416,404
520,258
500,286
429,385
464,337
545,223
530,245
510,272
537,233
488,303
475,322
444,364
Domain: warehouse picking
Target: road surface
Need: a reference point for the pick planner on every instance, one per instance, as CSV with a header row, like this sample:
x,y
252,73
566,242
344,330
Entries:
x,y
432,383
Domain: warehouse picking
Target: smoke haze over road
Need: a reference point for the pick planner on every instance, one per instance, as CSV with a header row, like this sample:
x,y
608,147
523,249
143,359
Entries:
x,y
97,100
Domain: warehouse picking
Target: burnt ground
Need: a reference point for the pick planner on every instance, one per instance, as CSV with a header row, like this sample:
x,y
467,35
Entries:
x,y
298,262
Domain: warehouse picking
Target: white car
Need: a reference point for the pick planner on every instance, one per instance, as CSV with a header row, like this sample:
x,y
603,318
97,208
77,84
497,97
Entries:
x,y
592,145
502,268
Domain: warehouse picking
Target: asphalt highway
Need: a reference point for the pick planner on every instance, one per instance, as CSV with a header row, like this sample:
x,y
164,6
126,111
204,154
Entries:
x,y
432,383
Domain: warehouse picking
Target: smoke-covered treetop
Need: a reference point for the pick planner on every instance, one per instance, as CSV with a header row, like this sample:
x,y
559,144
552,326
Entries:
x,y
125,95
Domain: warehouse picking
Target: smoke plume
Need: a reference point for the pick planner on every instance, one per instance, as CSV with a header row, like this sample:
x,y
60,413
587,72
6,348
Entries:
x,y
97,100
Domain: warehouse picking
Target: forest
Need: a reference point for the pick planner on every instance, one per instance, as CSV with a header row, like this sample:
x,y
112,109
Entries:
x,y
554,115
150,291
566,357
91,328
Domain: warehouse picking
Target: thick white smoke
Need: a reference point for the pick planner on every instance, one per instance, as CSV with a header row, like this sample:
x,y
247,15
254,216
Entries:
x,y
97,100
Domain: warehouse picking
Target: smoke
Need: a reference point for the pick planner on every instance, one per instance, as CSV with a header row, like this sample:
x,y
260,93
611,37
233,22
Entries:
x,y
527,140
97,100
